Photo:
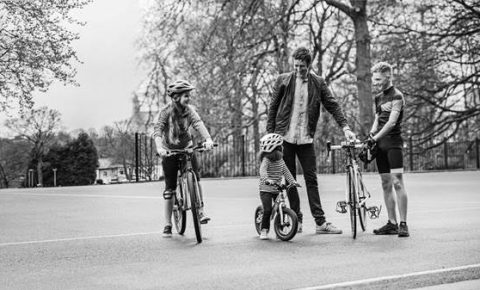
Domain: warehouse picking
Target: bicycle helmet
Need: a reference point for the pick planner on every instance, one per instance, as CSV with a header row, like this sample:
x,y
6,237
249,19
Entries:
x,y
179,86
269,142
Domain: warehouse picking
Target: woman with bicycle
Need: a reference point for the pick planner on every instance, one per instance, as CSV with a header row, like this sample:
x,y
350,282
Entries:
x,y
272,169
172,132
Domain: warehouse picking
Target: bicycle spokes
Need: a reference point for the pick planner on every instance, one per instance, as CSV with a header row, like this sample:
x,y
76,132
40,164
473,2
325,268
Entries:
x,y
341,207
374,211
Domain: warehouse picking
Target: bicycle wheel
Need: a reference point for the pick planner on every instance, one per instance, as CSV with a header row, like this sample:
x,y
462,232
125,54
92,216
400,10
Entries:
x,y
362,210
179,216
195,204
290,225
352,202
258,218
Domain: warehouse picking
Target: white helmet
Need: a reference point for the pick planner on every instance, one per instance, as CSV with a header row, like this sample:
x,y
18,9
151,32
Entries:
x,y
270,142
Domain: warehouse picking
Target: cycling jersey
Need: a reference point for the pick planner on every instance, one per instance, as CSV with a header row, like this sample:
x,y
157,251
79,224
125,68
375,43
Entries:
x,y
389,100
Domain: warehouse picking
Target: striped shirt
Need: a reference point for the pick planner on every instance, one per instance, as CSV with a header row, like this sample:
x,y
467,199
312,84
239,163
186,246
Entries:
x,y
273,170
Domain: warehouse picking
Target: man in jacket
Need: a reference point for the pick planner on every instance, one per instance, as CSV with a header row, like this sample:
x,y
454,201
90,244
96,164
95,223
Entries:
x,y
293,113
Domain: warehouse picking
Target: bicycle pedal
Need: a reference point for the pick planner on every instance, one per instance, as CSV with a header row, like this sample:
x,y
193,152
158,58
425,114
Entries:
x,y
374,212
341,207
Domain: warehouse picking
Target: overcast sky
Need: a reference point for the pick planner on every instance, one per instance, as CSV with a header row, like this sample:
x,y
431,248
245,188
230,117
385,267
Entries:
x,y
109,73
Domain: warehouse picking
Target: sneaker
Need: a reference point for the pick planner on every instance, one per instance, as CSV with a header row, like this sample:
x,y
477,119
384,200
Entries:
x,y
204,218
299,228
264,234
167,231
327,228
403,230
388,229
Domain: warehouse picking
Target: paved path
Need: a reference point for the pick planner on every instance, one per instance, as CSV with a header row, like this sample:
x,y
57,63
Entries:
x,y
109,237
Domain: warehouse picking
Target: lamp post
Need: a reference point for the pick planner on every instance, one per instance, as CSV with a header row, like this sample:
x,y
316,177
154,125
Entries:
x,y
30,178
54,177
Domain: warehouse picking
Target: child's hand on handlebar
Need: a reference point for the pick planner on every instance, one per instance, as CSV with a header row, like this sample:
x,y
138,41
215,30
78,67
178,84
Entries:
x,y
208,144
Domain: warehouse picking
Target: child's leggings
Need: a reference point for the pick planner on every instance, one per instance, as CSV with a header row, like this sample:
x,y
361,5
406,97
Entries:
x,y
267,200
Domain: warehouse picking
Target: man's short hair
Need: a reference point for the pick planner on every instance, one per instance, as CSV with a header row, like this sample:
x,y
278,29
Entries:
x,y
382,67
303,54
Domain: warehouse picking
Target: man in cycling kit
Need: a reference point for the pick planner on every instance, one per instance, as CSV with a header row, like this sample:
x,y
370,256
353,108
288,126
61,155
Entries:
x,y
386,133
171,132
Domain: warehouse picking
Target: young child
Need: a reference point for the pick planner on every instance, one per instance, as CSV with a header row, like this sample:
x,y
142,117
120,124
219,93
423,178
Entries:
x,y
272,170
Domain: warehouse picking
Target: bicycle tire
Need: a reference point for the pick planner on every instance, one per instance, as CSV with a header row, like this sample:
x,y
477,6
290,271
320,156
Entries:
x,y
180,217
289,229
352,202
258,218
195,204
362,210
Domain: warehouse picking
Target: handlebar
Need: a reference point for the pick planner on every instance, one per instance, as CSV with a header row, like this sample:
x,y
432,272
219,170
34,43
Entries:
x,y
345,145
188,150
357,144
281,187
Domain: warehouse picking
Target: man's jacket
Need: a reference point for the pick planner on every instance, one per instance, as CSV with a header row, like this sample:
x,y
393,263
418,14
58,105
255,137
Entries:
x,y
281,104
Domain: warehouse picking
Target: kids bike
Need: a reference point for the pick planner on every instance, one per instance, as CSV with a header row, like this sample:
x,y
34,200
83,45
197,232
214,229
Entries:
x,y
189,193
356,193
285,221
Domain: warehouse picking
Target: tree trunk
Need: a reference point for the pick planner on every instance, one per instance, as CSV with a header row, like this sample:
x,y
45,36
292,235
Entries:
x,y
364,75
358,14
39,172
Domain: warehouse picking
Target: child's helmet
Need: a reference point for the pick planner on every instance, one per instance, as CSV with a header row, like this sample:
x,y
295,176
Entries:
x,y
270,141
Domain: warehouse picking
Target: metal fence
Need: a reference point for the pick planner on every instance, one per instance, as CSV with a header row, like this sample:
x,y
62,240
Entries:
x,y
237,157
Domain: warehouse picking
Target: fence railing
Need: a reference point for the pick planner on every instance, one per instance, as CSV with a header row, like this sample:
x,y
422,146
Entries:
x,y
237,157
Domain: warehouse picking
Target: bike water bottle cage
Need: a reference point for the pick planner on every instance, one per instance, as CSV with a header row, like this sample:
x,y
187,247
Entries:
x,y
168,193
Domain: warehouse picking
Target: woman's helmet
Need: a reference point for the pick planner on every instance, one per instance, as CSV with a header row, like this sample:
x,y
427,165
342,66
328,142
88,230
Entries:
x,y
179,86
269,142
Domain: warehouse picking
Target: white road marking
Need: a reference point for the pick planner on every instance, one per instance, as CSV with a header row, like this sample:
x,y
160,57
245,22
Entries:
x,y
86,195
366,282
77,239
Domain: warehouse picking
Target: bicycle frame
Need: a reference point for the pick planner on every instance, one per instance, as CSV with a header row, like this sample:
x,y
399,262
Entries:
x,y
278,206
356,193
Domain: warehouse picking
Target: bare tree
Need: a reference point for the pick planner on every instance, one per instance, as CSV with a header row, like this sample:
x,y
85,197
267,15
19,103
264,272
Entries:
x,y
39,127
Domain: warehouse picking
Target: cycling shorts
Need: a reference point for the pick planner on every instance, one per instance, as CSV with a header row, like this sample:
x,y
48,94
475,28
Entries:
x,y
390,154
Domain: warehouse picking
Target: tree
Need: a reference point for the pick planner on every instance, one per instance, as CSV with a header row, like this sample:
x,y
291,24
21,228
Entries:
x,y
38,126
435,48
35,47
14,155
76,162
357,12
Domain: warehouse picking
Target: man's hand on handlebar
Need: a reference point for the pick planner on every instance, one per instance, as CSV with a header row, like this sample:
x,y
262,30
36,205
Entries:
x,y
162,152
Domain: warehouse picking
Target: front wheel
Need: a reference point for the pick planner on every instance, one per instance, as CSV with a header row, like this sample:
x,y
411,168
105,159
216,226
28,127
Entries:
x,y
179,216
195,204
289,228
352,202
362,210
258,218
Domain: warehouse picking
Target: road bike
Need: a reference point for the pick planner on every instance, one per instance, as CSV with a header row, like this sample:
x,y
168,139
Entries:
x,y
189,193
356,193
285,221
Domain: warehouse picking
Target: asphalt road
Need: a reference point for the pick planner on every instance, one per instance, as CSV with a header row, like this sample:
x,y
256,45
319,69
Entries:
x,y
109,237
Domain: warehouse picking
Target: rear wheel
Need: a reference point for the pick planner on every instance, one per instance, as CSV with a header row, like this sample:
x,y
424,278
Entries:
x,y
289,228
195,204
362,210
258,218
352,202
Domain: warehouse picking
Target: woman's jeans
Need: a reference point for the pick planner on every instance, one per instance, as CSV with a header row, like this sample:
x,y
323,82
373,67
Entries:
x,y
171,165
